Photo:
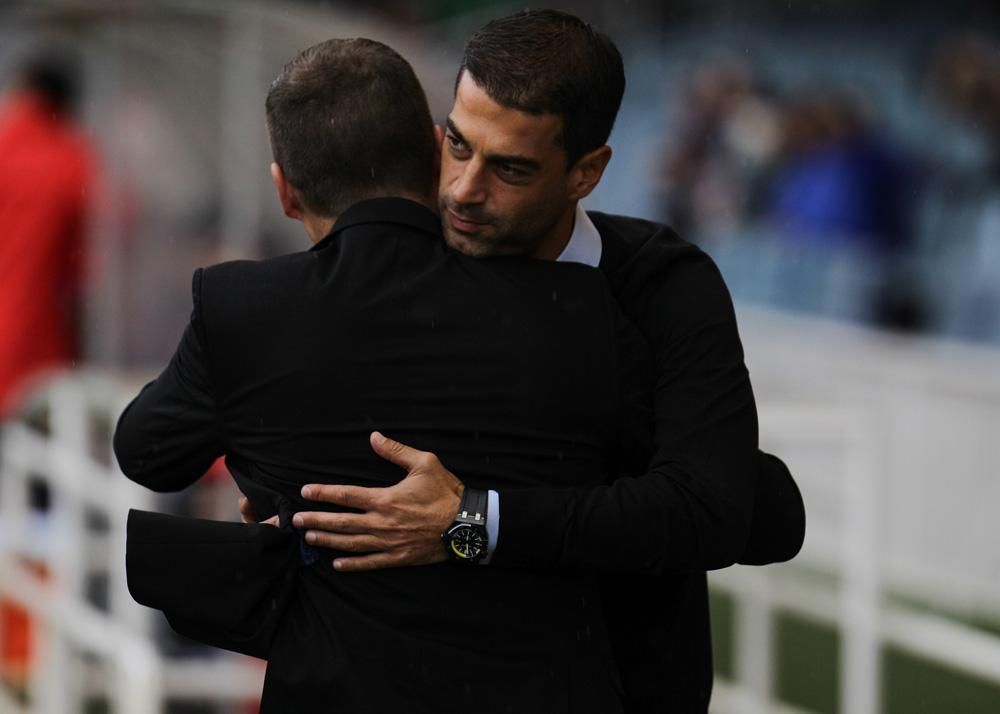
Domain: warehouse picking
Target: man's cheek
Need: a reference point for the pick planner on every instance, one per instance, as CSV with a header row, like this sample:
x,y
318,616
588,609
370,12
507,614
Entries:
x,y
452,170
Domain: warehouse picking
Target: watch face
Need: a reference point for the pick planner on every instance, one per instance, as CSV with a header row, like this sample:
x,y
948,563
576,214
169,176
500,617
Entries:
x,y
467,542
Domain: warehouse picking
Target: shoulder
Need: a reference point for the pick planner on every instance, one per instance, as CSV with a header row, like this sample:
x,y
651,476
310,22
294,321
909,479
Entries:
x,y
631,234
237,303
245,285
637,247
644,254
247,276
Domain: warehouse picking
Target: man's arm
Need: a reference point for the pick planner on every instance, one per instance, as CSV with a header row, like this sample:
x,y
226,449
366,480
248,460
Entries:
x,y
778,522
692,509
170,433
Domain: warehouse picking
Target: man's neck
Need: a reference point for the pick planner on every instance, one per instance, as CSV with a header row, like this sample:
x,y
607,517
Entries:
x,y
319,227
555,243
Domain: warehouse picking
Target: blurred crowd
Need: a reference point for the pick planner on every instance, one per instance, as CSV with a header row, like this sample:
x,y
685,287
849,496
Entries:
x,y
816,193
809,198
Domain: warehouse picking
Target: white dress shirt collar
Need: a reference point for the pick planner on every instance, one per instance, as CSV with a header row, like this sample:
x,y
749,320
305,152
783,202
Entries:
x,y
584,244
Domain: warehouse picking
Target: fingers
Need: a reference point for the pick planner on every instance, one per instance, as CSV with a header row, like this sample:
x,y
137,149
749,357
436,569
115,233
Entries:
x,y
333,522
248,516
397,453
359,497
392,559
347,543
375,561
246,510
343,531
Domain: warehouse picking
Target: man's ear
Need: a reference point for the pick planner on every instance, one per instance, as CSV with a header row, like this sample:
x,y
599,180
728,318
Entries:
x,y
287,195
587,172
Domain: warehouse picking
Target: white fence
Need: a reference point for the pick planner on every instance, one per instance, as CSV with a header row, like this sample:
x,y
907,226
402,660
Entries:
x,y
82,541
894,444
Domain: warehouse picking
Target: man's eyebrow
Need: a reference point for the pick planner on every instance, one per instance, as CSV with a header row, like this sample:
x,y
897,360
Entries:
x,y
454,130
522,162
506,159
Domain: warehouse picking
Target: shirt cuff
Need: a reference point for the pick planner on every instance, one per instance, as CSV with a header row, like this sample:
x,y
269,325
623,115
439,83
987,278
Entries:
x,y
492,525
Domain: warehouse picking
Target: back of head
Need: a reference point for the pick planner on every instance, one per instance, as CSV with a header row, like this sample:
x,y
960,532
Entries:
x,y
348,120
53,77
551,62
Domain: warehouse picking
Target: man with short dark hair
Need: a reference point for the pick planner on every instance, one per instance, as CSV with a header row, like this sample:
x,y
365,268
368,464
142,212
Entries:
x,y
535,101
289,365
331,137
570,79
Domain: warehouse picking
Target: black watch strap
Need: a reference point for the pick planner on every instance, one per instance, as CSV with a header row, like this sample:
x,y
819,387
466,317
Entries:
x,y
472,508
466,539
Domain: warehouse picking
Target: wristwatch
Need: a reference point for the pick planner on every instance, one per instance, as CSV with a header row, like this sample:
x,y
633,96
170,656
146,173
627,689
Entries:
x,y
466,539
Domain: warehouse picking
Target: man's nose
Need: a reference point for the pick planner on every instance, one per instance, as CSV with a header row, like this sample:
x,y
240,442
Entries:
x,y
470,186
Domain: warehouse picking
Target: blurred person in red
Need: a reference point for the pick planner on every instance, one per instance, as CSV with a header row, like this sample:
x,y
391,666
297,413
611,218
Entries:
x,y
46,170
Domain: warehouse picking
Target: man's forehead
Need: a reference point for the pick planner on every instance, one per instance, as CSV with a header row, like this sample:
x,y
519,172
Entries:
x,y
480,119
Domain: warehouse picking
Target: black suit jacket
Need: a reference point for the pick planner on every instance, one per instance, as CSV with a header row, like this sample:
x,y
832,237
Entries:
x,y
656,611
708,498
515,372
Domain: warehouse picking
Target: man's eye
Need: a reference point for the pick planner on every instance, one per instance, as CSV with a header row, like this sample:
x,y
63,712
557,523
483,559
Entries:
x,y
455,143
511,171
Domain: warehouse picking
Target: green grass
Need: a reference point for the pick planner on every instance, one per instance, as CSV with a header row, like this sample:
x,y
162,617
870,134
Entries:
x,y
721,609
916,686
807,662
806,669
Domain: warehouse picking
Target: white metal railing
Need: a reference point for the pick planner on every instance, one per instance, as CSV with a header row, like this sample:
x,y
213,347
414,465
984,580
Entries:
x,y
856,605
871,423
73,551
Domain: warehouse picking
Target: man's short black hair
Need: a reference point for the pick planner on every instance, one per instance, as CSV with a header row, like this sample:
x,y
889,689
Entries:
x,y
53,75
348,120
551,62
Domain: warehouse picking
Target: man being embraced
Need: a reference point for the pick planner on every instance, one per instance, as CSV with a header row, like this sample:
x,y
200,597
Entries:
x,y
517,372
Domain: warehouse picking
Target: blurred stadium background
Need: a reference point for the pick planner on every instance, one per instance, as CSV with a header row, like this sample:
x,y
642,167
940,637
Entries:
x,y
841,162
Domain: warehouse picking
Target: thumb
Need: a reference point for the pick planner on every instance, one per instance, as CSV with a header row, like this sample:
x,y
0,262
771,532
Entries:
x,y
395,452
246,510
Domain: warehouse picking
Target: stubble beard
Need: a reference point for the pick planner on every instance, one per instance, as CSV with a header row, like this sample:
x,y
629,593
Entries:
x,y
491,241
499,238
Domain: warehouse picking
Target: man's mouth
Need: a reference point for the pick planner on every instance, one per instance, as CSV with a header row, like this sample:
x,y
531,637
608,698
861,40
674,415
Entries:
x,y
464,225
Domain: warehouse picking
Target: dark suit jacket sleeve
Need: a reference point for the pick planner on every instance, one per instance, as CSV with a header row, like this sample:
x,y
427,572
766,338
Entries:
x,y
692,509
171,433
778,524
223,584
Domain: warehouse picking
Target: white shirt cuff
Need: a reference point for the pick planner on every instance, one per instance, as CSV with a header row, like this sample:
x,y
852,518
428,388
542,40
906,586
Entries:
x,y
492,525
